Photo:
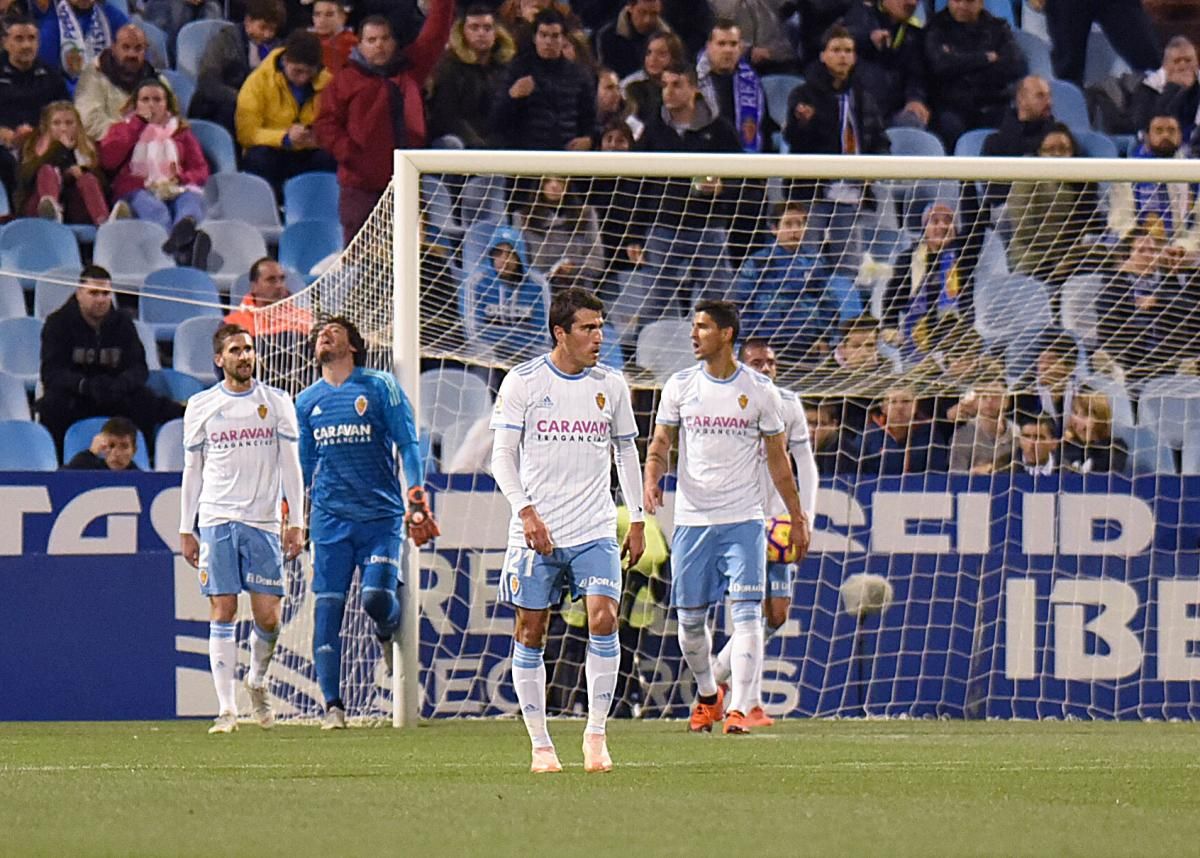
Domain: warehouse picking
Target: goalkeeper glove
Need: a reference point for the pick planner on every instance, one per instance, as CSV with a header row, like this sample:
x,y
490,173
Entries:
x,y
418,521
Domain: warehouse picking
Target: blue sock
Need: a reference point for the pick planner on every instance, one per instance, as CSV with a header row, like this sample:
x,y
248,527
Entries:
x,y
383,607
327,643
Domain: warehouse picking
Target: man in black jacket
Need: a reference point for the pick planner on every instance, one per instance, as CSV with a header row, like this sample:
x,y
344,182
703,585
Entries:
x,y
891,59
974,63
467,82
551,101
1023,127
26,86
622,43
93,363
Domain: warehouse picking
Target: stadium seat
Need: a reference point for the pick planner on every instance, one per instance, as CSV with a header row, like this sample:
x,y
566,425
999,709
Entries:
x,y
1102,61
1078,304
1010,306
21,349
14,400
52,289
168,296
244,197
664,347
1118,398
36,245
131,249
168,446
1036,51
483,199
1034,21
183,86
79,437
235,247
1171,407
26,446
12,298
306,243
1093,144
157,50
970,144
193,351
215,141
1070,105
1146,455
311,196
173,384
776,89
438,207
914,141
450,395
146,335
5,206
191,41
610,349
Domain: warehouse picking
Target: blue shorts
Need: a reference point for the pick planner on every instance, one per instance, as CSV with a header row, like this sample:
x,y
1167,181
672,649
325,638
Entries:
x,y
708,560
236,557
340,545
536,581
779,580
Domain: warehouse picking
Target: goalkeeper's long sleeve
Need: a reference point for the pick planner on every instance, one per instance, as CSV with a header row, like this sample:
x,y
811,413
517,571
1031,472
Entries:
x,y
193,483
807,478
505,469
629,477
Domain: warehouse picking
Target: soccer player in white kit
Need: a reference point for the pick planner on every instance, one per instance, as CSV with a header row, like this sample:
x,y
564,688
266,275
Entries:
x,y
719,411
240,449
758,355
555,420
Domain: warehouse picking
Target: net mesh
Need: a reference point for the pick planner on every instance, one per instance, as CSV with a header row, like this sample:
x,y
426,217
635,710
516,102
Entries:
x,y
1033,571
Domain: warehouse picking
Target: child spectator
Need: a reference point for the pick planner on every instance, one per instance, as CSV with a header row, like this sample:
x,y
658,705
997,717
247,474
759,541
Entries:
x,y
60,176
112,448
1088,444
1038,454
337,40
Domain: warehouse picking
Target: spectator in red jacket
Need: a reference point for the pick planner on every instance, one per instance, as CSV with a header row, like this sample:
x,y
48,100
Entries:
x,y
157,165
375,105
337,41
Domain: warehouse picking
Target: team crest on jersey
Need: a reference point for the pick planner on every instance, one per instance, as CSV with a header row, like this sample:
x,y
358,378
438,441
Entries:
x,y
514,584
600,400
262,412
743,401
360,405
203,577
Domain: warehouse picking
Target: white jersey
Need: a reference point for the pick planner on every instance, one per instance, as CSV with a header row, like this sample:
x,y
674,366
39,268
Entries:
x,y
721,423
568,424
796,426
243,438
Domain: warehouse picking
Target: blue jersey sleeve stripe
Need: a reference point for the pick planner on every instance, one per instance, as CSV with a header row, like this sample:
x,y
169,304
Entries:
x,y
194,447
508,426
663,422
626,437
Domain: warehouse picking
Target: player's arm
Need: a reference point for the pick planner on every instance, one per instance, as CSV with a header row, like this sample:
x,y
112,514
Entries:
x,y
292,478
507,473
418,518
189,502
657,456
807,477
780,468
629,470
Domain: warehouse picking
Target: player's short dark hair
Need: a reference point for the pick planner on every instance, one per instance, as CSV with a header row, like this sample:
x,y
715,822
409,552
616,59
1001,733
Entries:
x,y
753,343
94,272
778,210
271,11
356,339
256,268
683,69
375,21
223,333
859,325
565,304
549,16
303,47
724,313
122,427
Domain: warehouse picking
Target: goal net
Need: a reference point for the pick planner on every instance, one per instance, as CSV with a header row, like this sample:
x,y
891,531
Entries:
x,y
998,363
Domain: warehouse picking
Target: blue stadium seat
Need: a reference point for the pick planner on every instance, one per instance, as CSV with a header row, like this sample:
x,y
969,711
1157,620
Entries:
x,y
79,437
438,207
173,384
191,41
1078,305
244,197
36,245
1070,105
776,89
26,446
610,349
131,249
12,297
52,289
5,206
168,446
1146,455
483,198
307,242
157,308
1010,306
146,335
21,349
1093,144
1171,407
157,50
14,400
1102,61
236,246
664,347
1036,51
216,142
914,141
1118,397
193,352
970,144
183,86
450,395
311,196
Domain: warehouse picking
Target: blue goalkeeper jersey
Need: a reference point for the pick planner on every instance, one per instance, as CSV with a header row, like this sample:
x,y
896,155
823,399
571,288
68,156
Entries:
x,y
347,435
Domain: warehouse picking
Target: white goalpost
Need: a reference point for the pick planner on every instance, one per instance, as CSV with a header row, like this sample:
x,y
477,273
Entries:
x,y
1011,592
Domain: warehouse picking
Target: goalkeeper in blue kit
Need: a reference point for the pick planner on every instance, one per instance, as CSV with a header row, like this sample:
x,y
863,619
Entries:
x,y
354,425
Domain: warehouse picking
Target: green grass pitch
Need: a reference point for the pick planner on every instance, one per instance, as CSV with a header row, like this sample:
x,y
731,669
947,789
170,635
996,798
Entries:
x,y
462,788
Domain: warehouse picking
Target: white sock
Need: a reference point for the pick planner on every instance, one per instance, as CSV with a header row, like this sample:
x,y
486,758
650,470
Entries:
x,y
222,660
721,663
746,665
603,663
529,679
756,695
695,641
262,648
